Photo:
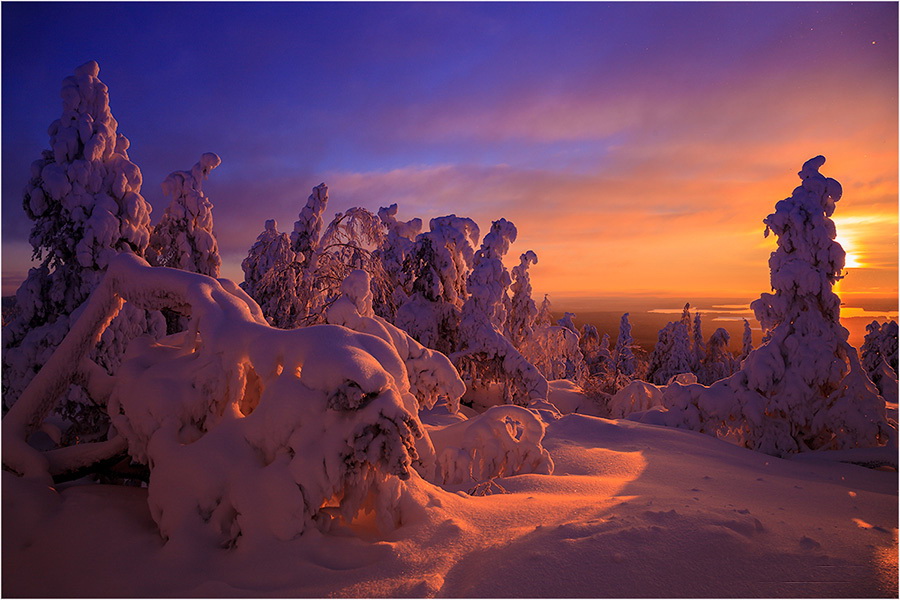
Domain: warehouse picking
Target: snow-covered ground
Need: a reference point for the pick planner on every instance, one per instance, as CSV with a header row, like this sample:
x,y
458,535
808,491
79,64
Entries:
x,y
632,510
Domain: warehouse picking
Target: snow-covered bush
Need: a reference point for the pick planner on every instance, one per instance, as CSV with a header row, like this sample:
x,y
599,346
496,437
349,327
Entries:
x,y
502,441
184,238
803,388
253,433
555,351
431,375
84,199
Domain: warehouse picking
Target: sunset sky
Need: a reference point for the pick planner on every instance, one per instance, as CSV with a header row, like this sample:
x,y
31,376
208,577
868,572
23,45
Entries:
x,y
636,146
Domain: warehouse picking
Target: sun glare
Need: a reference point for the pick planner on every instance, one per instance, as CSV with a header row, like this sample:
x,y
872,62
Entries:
x,y
852,260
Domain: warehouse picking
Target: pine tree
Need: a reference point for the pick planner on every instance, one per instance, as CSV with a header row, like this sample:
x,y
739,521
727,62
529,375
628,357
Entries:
x,y
623,359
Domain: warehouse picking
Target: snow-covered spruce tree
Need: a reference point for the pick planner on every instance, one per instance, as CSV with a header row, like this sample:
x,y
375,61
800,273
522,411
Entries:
x,y
84,199
485,357
544,316
804,387
687,321
398,244
746,341
440,263
879,357
718,362
274,278
672,354
589,342
624,362
521,312
184,238
698,346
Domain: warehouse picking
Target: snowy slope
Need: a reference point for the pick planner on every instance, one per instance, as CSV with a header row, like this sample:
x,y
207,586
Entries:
x,y
632,510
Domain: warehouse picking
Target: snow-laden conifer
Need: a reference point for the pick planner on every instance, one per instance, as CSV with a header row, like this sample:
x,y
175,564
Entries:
x,y
746,341
521,311
804,387
879,357
84,198
273,277
184,238
672,354
485,357
623,359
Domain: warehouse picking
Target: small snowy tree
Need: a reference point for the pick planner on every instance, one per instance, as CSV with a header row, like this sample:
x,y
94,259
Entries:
x,y
522,312
544,316
879,357
184,238
273,277
624,362
440,262
672,354
485,357
718,362
84,199
746,341
698,347
568,321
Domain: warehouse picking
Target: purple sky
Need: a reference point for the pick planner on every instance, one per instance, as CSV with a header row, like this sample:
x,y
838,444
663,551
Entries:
x,y
637,146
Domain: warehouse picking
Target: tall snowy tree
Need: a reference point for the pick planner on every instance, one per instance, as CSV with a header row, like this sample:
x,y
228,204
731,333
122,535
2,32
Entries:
x,y
804,387
274,278
184,238
84,199
718,362
398,244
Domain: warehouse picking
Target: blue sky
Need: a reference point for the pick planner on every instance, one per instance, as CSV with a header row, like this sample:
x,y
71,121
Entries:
x,y
623,139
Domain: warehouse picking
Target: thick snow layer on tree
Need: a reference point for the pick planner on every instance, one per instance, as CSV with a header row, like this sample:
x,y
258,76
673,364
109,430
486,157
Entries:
x,y
704,517
254,434
84,198
804,388
184,238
